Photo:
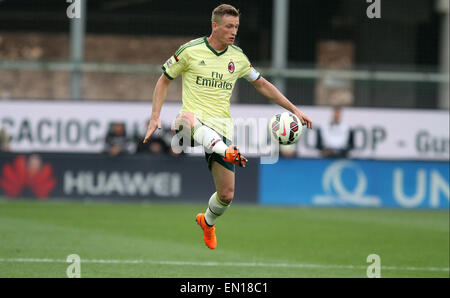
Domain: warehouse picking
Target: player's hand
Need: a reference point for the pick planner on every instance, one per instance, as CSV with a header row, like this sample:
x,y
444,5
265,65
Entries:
x,y
153,124
304,119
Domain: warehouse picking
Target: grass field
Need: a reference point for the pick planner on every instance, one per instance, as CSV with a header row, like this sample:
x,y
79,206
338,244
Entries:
x,y
157,240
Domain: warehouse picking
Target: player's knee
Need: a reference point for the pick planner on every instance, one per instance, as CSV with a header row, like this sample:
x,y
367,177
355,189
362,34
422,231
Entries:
x,y
226,195
188,118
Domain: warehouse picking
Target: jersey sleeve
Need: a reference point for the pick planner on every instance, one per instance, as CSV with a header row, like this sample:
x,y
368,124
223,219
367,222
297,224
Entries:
x,y
249,72
175,65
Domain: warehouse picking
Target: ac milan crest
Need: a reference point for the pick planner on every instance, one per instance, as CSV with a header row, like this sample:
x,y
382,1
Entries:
x,y
231,67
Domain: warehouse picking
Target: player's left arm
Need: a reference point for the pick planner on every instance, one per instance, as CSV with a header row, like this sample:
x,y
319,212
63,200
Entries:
x,y
271,92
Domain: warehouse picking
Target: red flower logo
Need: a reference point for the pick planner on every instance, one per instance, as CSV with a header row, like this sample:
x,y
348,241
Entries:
x,y
27,173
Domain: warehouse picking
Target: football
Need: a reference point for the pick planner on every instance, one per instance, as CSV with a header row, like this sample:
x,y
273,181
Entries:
x,y
285,128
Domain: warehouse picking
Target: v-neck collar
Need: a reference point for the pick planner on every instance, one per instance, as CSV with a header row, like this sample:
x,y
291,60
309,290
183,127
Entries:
x,y
212,50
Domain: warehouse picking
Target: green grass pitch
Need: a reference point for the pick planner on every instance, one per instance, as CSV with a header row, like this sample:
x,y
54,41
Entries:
x,y
162,240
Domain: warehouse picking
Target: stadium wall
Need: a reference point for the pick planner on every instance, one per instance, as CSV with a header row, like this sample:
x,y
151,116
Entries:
x,y
400,159
168,179
53,176
394,134
355,183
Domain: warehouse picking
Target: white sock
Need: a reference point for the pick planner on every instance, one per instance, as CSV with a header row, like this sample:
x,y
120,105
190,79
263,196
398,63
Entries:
x,y
210,140
215,209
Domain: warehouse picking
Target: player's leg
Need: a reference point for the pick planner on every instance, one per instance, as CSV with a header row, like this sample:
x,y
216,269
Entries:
x,y
208,138
182,126
219,202
222,198
186,119
192,128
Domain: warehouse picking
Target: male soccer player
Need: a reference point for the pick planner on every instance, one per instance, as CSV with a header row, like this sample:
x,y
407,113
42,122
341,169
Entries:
x,y
210,67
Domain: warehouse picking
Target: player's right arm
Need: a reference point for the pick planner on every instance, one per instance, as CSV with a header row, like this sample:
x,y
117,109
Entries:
x,y
173,67
158,99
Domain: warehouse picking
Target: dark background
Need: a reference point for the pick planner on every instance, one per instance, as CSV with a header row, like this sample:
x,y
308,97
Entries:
x,y
406,38
407,34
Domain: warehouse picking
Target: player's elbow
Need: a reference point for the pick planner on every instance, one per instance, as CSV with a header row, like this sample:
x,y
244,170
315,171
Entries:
x,y
260,83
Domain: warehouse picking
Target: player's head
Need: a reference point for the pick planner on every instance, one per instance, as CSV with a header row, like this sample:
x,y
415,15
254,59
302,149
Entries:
x,y
118,128
337,114
225,23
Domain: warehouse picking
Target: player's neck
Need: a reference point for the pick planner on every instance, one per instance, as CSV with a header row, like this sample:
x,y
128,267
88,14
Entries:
x,y
216,44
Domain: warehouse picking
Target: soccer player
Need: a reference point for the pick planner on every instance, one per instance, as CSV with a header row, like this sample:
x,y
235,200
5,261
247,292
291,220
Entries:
x,y
210,67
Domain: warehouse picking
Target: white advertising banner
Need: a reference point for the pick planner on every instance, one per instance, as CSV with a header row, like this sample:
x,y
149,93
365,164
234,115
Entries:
x,y
55,126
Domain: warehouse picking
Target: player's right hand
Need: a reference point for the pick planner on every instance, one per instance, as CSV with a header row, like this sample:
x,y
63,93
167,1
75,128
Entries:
x,y
153,124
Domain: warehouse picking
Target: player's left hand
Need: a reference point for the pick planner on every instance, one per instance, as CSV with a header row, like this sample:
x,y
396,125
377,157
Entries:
x,y
303,118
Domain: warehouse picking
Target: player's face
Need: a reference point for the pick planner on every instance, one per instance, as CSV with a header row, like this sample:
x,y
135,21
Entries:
x,y
227,28
337,115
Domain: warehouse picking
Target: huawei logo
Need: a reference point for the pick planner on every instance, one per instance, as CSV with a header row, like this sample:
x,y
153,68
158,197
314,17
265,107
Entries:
x,y
22,173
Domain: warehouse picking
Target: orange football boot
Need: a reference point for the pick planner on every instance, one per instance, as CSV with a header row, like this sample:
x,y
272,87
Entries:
x,y
234,156
209,232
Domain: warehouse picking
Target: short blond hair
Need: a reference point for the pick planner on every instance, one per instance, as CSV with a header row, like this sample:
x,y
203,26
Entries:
x,y
224,9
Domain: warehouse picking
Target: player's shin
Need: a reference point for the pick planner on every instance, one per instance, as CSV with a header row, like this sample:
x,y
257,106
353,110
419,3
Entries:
x,y
215,209
210,139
